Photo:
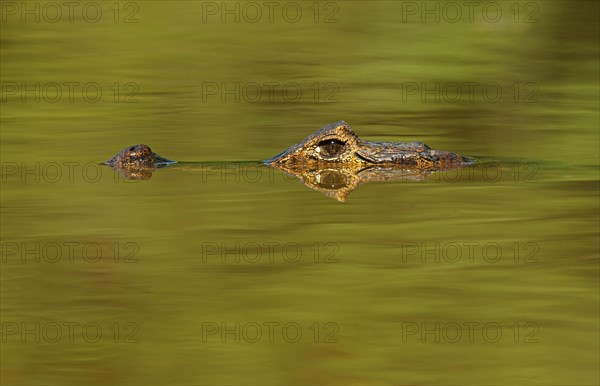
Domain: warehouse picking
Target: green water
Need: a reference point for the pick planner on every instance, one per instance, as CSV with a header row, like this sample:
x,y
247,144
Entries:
x,y
239,274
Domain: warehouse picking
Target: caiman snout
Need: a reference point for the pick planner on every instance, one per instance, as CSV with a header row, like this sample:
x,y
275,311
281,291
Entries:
x,y
409,154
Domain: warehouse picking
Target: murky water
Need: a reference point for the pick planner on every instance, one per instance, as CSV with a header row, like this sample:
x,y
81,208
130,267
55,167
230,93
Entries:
x,y
223,271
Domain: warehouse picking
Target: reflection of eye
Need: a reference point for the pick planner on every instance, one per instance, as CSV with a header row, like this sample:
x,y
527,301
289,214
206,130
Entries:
x,y
330,148
330,179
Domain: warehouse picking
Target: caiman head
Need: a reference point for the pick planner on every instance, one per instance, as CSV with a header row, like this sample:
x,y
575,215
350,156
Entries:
x,y
137,162
336,145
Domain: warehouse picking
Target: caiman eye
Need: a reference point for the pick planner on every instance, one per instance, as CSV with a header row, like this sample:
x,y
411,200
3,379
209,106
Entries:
x,y
330,148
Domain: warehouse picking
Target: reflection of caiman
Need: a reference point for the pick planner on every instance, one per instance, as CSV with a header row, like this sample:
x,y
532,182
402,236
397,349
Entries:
x,y
333,160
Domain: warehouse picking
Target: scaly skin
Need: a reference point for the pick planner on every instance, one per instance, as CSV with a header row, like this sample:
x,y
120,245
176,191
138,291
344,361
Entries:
x,y
337,145
137,162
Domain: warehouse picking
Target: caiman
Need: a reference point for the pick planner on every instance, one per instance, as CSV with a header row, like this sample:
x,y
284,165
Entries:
x,y
333,160
336,144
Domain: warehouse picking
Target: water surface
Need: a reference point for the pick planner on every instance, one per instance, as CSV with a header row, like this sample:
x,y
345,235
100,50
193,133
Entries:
x,y
234,273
